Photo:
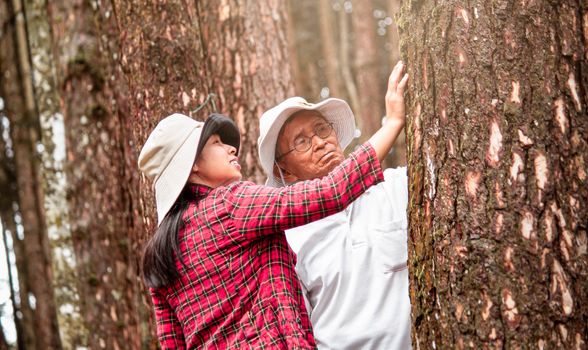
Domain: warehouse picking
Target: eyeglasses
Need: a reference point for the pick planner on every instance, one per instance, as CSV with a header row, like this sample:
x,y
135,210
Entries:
x,y
303,143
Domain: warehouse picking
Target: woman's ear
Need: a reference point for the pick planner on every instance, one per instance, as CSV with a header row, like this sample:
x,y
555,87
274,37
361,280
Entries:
x,y
193,178
288,177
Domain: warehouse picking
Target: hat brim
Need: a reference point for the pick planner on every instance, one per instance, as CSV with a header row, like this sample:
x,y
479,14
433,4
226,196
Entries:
x,y
334,110
173,179
167,186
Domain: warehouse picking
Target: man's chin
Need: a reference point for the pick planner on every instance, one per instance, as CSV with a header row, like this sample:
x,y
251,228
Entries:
x,y
328,165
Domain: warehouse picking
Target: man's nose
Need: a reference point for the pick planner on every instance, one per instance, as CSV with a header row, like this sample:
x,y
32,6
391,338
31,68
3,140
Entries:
x,y
317,141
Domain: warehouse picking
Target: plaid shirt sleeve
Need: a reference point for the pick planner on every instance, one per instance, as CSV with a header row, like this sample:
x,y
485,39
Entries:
x,y
261,210
169,329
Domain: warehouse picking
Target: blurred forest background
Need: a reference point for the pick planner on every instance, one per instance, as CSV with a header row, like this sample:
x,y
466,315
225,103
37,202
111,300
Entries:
x,y
496,146
82,83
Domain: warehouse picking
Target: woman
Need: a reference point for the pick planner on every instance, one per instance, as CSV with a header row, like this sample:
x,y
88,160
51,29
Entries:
x,y
219,269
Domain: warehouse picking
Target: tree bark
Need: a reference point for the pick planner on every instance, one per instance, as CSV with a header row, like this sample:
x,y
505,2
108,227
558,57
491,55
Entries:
x,y
367,72
246,54
330,51
8,187
100,183
497,140
173,56
17,91
346,73
44,71
310,63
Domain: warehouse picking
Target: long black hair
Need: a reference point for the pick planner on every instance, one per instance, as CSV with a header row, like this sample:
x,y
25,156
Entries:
x,y
161,251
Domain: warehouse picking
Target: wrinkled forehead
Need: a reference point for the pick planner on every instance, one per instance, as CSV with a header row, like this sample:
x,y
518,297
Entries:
x,y
300,120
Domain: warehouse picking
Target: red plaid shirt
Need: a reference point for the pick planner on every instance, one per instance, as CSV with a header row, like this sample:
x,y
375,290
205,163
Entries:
x,y
240,288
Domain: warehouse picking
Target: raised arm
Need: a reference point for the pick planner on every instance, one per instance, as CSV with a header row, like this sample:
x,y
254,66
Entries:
x,y
385,137
260,210
263,210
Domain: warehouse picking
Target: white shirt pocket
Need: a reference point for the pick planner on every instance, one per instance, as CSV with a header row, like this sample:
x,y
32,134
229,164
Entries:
x,y
390,246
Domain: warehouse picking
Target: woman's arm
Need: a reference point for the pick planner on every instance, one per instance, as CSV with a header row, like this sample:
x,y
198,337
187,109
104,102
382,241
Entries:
x,y
260,210
169,329
264,210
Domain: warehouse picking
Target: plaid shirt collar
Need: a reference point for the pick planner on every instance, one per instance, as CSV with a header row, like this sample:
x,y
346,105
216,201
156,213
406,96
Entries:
x,y
199,191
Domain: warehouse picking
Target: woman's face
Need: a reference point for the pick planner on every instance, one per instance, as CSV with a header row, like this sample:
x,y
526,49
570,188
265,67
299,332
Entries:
x,y
217,164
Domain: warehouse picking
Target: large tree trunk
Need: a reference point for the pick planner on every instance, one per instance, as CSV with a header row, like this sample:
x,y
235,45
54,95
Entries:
x,y
498,145
175,56
247,64
46,89
237,52
17,90
100,180
8,201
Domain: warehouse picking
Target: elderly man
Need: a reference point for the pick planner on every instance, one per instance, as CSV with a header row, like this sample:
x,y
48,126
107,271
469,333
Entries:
x,y
351,265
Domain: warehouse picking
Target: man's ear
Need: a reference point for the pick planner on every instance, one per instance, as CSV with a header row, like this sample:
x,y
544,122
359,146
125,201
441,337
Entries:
x,y
288,177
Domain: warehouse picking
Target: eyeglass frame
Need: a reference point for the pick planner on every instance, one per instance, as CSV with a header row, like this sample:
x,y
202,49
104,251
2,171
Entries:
x,y
331,129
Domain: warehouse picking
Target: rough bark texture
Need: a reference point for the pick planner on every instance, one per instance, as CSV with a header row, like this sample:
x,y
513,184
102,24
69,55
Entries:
x,y
173,55
247,65
44,71
99,187
9,199
498,140
20,108
162,58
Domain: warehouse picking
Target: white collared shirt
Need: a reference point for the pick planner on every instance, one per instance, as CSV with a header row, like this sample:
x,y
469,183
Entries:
x,y
353,270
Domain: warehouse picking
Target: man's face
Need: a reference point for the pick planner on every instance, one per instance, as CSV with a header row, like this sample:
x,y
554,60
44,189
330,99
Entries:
x,y
322,156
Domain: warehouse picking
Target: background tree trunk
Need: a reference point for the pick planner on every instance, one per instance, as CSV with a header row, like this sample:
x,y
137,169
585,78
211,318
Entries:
x,y
306,21
329,49
369,81
346,72
20,108
45,84
497,139
24,325
99,184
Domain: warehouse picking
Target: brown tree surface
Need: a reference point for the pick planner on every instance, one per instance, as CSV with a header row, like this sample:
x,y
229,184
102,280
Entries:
x,y
173,57
369,81
99,181
247,65
498,140
17,91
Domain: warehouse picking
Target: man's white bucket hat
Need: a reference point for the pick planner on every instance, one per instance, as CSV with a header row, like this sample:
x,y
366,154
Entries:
x,y
171,149
334,110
